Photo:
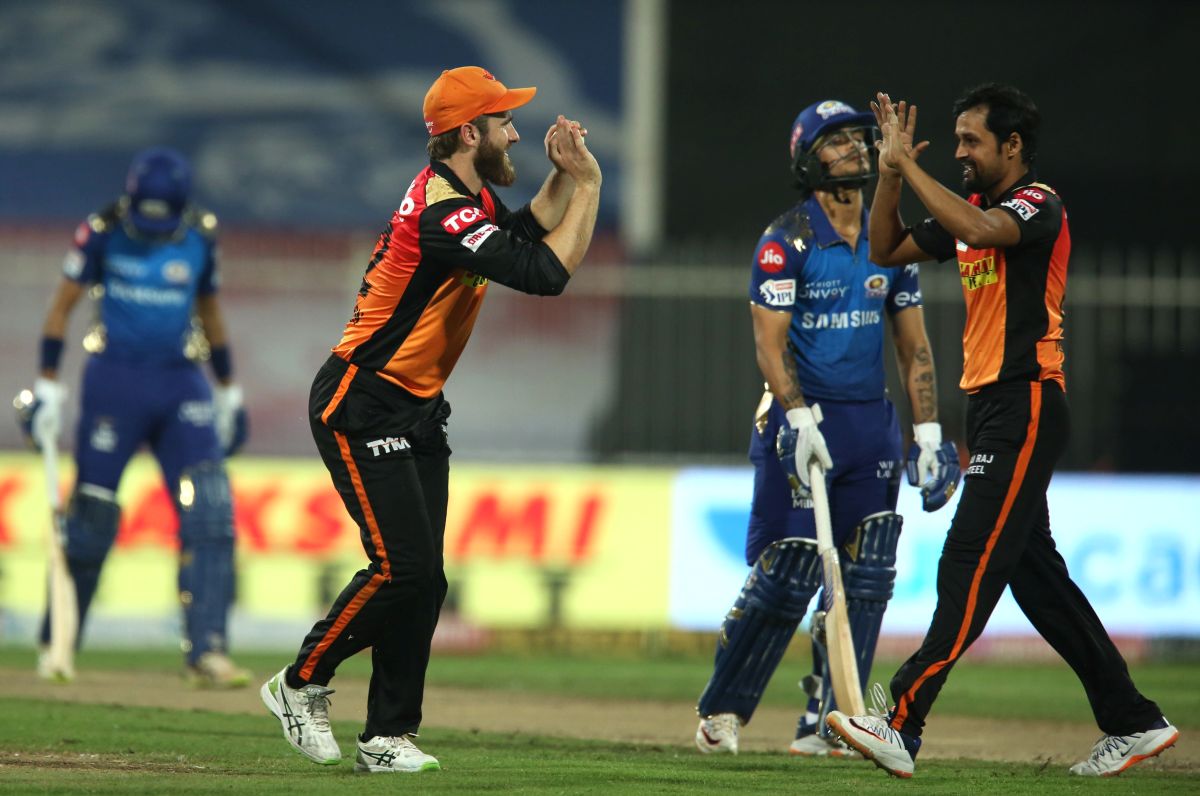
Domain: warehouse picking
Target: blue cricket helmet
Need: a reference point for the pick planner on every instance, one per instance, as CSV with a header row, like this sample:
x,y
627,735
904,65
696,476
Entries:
x,y
158,186
813,122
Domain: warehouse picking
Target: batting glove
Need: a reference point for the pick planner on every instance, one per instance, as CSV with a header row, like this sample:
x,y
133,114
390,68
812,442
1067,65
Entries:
x,y
933,465
798,444
927,438
229,418
40,417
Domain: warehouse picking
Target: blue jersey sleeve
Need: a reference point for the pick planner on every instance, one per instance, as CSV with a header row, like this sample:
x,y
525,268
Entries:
x,y
204,222
210,277
906,290
776,271
84,263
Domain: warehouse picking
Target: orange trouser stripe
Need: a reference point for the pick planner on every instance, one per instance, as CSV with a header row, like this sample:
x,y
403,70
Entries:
x,y
348,613
360,599
1018,477
360,490
343,385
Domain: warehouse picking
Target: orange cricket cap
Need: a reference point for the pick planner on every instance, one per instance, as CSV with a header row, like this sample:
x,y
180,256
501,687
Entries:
x,y
462,94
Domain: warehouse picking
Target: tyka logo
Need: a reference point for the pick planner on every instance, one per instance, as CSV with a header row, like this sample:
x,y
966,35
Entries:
x,y
388,444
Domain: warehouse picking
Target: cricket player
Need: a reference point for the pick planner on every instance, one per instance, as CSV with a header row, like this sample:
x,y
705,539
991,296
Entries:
x,y
151,256
378,413
1013,245
818,306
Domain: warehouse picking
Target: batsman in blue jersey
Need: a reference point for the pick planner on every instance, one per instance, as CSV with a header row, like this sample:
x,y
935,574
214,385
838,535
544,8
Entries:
x,y
150,261
818,306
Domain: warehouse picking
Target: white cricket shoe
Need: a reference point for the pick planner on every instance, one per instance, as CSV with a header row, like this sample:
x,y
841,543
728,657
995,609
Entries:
x,y
874,738
1112,754
216,670
399,755
49,669
718,733
304,714
813,745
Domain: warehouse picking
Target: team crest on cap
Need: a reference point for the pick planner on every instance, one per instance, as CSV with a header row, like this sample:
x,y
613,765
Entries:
x,y
832,108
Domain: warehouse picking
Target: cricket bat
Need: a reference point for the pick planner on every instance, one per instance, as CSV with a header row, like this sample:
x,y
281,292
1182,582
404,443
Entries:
x,y
839,644
64,611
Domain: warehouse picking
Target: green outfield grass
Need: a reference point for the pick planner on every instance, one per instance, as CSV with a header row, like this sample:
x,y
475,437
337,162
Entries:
x,y
55,747
99,749
976,688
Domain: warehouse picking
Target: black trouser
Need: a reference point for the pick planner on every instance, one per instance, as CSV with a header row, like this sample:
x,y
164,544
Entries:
x,y
393,481
1000,536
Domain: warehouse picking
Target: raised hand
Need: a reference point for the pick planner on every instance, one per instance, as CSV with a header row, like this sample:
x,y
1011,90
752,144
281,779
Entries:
x,y
897,127
567,150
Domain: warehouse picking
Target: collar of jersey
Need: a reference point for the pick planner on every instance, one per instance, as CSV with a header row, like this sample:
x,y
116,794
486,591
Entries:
x,y
823,231
443,170
1029,178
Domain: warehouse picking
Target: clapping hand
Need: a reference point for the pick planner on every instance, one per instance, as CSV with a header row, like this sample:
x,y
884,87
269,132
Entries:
x,y
897,128
566,148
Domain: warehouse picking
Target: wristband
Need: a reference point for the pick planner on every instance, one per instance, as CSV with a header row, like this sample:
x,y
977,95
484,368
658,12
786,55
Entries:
x,y
51,353
222,364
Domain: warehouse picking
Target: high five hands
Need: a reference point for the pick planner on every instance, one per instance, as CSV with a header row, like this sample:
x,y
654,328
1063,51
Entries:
x,y
897,128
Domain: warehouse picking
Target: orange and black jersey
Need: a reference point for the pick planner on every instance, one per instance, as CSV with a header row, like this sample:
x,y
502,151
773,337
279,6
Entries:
x,y
1014,296
426,280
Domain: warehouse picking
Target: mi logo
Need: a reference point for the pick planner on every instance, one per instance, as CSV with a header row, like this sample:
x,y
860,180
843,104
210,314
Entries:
x,y
978,273
388,444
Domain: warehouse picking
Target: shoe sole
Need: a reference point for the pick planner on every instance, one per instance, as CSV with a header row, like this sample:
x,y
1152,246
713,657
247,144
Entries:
x,y
863,750
362,768
837,754
1164,746
273,706
58,678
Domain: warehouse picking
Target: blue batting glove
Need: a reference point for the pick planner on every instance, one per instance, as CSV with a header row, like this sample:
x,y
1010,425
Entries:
x,y
230,418
785,449
942,473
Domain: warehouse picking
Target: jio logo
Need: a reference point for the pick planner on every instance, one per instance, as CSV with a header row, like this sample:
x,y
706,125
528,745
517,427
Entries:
x,y
770,258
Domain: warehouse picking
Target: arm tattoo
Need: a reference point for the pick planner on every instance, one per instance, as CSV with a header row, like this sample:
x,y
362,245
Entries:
x,y
792,396
923,387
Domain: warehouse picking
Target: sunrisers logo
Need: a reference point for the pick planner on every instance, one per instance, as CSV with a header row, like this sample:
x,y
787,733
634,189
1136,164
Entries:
x,y
978,273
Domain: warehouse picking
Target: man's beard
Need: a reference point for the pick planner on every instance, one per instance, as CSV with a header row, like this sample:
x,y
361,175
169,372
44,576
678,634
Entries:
x,y
972,183
977,182
492,163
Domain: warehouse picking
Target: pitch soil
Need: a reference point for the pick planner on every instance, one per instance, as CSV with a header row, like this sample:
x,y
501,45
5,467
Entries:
x,y
666,724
